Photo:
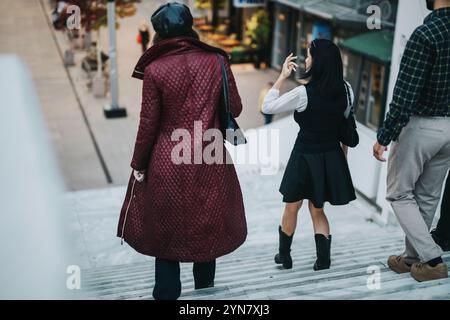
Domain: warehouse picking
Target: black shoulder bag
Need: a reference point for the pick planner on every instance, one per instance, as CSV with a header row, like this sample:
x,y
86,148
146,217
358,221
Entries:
x,y
348,134
230,129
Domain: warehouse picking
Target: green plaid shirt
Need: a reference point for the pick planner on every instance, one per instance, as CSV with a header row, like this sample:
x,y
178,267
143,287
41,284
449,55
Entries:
x,y
423,83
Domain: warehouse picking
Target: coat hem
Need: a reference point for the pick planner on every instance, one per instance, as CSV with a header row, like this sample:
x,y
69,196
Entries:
x,y
186,259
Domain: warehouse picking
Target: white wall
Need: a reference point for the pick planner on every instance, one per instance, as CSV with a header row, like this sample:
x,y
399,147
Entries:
x,y
369,175
34,250
364,168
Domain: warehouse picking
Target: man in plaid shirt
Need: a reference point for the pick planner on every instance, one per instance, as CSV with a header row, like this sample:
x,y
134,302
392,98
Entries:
x,y
418,125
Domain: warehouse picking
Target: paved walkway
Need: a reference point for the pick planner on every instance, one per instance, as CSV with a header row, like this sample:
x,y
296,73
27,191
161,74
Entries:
x,y
24,31
93,150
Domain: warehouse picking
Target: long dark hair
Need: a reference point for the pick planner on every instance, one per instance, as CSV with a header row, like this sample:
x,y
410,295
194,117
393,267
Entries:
x,y
192,33
326,72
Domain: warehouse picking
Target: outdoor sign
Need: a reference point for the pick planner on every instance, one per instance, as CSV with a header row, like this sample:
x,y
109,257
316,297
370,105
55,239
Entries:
x,y
321,31
249,3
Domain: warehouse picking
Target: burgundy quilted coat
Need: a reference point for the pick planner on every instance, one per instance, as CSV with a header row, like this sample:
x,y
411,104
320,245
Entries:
x,y
181,212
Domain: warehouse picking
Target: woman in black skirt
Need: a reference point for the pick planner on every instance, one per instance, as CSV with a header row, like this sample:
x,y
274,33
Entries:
x,y
317,169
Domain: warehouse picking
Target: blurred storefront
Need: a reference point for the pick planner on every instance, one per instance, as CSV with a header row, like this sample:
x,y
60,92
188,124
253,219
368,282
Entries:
x,y
366,58
297,22
240,27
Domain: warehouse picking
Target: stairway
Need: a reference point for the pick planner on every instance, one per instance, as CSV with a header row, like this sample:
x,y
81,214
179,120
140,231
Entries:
x,y
112,271
251,274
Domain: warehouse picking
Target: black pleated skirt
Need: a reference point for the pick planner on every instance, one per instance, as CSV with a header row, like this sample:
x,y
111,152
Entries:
x,y
319,177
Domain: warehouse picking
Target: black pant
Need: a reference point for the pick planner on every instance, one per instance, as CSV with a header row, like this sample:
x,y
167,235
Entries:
x,y
443,226
167,278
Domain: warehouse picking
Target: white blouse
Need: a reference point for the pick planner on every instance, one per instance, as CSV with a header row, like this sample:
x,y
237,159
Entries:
x,y
296,99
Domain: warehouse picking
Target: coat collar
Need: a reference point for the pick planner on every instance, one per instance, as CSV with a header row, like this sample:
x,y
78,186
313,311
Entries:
x,y
171,46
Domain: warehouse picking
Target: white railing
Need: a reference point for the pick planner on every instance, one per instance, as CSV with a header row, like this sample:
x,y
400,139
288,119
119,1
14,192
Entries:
x,y
34,250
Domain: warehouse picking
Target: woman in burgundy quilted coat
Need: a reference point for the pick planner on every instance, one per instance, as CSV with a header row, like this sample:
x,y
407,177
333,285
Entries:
x,y
181,212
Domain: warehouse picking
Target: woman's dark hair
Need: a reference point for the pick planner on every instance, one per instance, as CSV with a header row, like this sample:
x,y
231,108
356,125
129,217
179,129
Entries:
x,y
326,72
192,33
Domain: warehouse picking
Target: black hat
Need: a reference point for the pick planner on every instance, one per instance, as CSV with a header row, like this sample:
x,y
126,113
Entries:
x,y
172,19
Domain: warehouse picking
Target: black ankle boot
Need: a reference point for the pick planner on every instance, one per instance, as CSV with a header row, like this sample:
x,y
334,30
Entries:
x,y
284,255
323,246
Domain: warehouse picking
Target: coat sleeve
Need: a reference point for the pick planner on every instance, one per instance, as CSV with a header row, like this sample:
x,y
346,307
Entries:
x,y
148,123
235,99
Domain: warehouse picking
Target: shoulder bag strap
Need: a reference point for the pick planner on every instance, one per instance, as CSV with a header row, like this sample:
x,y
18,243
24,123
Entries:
x,y
348,110
225,84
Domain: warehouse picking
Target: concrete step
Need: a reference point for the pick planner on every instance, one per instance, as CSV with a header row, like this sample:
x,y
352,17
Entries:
x,y
117,272
255,276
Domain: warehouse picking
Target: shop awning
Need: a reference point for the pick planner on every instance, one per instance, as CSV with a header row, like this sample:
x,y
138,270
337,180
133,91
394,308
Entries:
x,y
376,45
345,15
321,8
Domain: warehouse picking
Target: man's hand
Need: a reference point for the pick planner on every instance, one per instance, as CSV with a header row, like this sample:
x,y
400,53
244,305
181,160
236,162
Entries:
x,y
139,175
378,151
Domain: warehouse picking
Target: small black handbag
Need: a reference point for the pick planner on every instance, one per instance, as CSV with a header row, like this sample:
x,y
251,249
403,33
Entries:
x,y
348,134
230,129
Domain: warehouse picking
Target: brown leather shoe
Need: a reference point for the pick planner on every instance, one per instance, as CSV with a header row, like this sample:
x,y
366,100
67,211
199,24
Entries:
x,y
425,272
398,264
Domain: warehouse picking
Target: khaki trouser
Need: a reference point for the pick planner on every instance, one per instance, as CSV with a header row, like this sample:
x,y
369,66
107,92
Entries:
x,y
417,166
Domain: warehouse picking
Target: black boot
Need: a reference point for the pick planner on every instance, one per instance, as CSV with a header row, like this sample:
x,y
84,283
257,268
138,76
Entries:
x,y
284,255
323,246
